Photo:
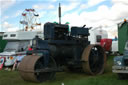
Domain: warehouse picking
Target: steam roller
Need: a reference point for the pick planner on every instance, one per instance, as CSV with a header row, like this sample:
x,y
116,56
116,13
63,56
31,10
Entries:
x,y
61,48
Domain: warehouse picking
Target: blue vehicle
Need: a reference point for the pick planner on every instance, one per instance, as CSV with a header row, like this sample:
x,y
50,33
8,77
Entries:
x,y
121,64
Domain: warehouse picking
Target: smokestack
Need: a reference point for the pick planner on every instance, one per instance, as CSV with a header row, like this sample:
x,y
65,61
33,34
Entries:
x,y
59,13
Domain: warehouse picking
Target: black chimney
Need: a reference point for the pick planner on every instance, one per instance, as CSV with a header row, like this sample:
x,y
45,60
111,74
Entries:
x,y
59,13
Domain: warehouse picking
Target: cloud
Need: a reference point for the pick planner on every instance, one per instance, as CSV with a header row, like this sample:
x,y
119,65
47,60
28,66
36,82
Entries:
x,y
74,0
65,7
8,27
112,31
73,19
104,16
94,2
42,14
90,3
69,7
43,6
4,18
1,28
38,6
53,0
94,18
13,29
82,6
51,7
118,11
19,12
5,4
120,1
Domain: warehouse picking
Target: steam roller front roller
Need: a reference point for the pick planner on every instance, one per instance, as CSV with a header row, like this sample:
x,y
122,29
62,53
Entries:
x,y
31,69
94,59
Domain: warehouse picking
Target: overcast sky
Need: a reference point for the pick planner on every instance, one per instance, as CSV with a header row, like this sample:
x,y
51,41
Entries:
x,y
93,13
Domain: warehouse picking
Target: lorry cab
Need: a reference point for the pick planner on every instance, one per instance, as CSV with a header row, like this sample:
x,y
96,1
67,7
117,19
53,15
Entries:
x,y
17,45
121,64
14,49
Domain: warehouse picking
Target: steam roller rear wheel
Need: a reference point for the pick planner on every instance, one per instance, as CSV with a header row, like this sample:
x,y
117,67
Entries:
x,y
30,67
94,59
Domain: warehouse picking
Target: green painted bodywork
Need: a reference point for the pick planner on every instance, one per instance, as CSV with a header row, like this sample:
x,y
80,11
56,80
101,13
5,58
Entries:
x,y
122,36
2,44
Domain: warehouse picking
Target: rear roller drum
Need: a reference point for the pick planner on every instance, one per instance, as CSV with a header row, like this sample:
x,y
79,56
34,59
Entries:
x,y
94,59
31,69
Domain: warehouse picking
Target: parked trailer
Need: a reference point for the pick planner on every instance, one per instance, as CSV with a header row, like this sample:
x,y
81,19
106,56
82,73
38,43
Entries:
x,y
96,35
100,36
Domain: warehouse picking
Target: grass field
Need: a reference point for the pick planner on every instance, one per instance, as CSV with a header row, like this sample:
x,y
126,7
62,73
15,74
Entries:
x,y
108,78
